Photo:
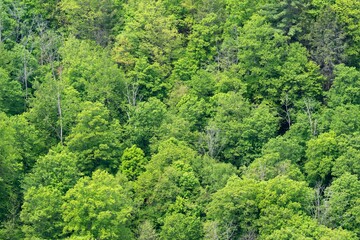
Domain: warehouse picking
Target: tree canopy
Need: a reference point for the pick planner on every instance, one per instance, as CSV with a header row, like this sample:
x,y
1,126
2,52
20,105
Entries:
x,y
179,119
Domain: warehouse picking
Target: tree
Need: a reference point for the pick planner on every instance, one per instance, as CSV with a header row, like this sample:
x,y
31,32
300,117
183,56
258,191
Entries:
x,y
347,11
202,46
41,213
347,163
11,95
327,43
213,175
287,147
345,89
193,109
270,66
147,47
280,200
182,227
169,175
133,162
97,208
203,84
270,165
343,199
95,139
144,122
7,23
321,153
258,128
10,171
147,231
27,137
241,130
234,208
348,125
223,132
303,227
289,16
24,65
55,170
89,19
53,109
88,68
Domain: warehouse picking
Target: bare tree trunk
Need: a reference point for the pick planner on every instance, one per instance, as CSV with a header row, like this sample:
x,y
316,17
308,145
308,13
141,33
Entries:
x,y
60,116
132,96
213,141
59,84
312,122
318,212
132,92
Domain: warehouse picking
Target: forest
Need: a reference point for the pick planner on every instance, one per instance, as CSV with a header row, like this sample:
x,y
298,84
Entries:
x,y
180,119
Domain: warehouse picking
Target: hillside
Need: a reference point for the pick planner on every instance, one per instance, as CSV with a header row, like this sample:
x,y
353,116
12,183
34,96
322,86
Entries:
x,y
180,119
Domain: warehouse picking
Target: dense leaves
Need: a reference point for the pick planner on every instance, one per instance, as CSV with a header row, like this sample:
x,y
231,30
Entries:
x,y
179,119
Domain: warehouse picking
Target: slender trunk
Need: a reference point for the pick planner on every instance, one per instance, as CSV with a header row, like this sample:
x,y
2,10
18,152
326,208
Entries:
x,y
25,77
312,122
60,116
59,107
58,99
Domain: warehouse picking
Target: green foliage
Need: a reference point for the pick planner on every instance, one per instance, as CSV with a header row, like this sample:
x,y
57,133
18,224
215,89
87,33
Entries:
x,y
169,174
301,227
133,162
192,109
343,203
282,199
95,139
145,120
27,137
286,193
285,15
10,169
147,231
7,23
347,11
286,147
326,42
348,125
53,109
321,153
41,213
202,41
214,175
235,207
179,119
270,166
91,19
97,207
270,66
182,227
43,10
238,132
23,65
348,162
57,170
11,95
89,69
147,47
345,88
